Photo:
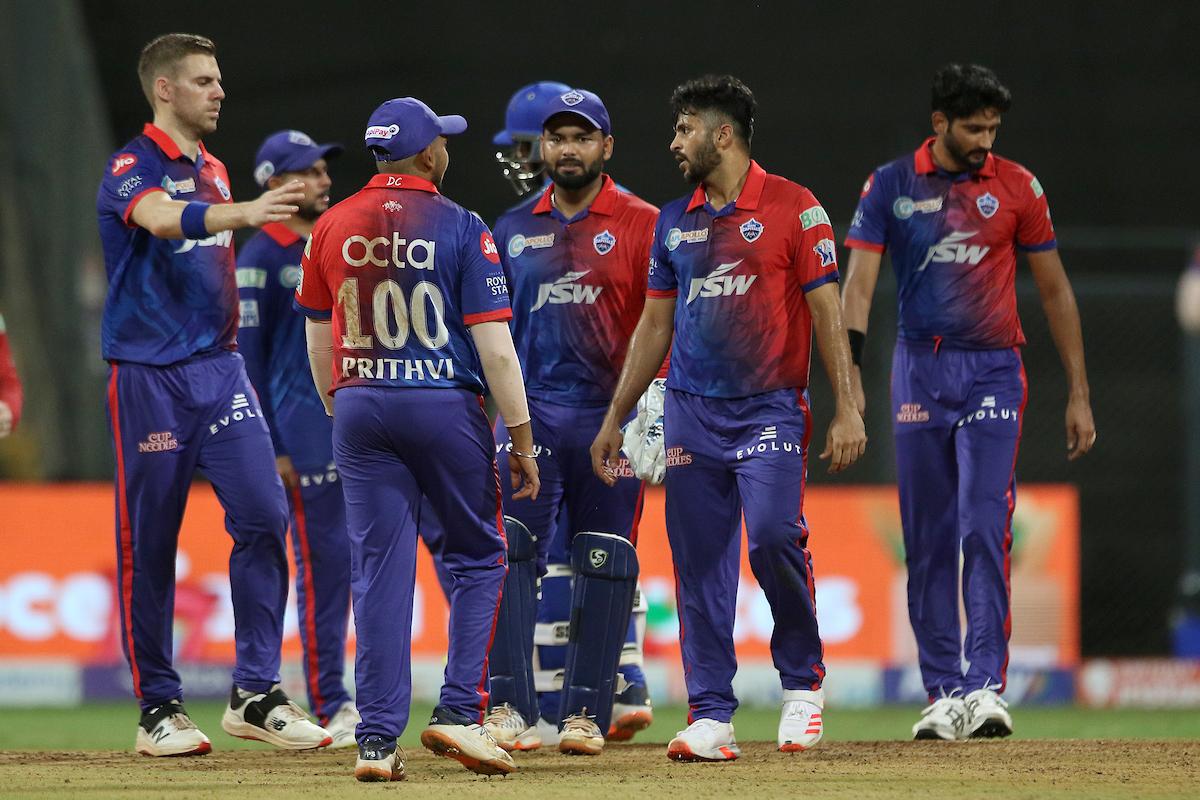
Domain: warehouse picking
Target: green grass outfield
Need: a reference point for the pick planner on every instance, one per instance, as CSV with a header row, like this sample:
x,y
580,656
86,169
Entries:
x,y
111,726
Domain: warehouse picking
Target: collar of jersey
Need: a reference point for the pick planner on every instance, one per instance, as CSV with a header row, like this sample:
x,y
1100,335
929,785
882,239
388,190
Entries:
x,y
604,203
281,234
166,143
924,164
747,200
380,181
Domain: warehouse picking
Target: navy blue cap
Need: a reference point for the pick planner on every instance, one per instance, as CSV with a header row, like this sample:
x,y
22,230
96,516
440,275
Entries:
x,y
582,102
524,117
405,126
289,151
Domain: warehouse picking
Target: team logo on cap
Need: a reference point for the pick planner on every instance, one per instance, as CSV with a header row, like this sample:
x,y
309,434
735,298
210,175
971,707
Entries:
x,y
263,173
222,188
382,131
572,98
751,229
296,137
603,242
123,163
987,204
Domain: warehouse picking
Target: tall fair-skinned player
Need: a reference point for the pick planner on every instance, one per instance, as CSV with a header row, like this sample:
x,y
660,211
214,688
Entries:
x,y
169,334
743,272
953,216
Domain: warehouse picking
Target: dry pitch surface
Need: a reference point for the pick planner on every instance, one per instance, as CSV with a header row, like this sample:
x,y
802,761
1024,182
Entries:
x,y
983,769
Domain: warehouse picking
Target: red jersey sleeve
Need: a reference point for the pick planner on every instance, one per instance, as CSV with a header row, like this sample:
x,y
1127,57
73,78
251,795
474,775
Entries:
x,y
815,258
10,384
313,297
1035,230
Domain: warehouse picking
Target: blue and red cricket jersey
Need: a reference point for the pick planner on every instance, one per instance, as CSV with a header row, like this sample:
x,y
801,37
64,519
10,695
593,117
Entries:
x,y
418,304
739,272
953,238
578,286
168,299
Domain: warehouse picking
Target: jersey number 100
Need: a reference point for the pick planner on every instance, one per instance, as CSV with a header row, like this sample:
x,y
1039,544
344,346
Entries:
x,y
413,315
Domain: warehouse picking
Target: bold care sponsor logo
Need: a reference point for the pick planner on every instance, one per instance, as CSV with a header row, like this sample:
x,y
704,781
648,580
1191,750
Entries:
x,y
129,186
604,242
951,250
239,411
676,237
289,276
358,251
321,477
222,188
159,442
519,243
487,246
248,313
987,412
123,163
768,442
826,250
567,290
988,204
222,239
251,278
811,217
409,369
678,457
751,229
719,283
912,412
1036,185
382,132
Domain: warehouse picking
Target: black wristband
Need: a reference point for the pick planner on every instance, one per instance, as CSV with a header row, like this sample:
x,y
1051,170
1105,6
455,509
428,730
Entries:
x,y
858,340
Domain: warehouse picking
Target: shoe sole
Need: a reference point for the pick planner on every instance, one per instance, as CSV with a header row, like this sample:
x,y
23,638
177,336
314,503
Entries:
x,y
930,735
443,745
202,749
244,730
792,747
624,728
991,729
524,747
374,774
679,751
580,747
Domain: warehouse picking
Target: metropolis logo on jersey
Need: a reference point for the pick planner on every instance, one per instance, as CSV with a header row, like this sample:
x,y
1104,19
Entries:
x,y
988,205
289,276
675,237
123,163
603,242
519,244
222,188
751,229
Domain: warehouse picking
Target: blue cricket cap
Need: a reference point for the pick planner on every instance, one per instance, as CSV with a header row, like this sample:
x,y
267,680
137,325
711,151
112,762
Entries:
x,y
524,116
289,151
405,126
582,103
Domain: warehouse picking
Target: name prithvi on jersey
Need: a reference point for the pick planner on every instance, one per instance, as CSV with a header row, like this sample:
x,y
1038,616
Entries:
x,y
409,369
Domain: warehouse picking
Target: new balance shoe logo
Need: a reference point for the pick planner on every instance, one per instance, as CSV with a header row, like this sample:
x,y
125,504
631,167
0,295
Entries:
x,y
278,724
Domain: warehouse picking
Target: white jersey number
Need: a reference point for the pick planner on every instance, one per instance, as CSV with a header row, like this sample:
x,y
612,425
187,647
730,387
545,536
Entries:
x,y
423,314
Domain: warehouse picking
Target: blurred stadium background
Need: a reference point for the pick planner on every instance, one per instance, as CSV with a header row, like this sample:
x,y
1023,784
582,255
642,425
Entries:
x,y
1107,558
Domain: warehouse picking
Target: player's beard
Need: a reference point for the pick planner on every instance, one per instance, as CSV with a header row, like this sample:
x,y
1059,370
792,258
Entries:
x,y
965,160
310,211
702,163
573,182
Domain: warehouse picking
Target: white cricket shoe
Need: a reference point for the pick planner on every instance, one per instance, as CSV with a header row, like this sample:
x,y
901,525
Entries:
x,y
581,736
379,760
704,740
946,718
546,732
273,718
456,736
988,713
631,713
508,727
342,725
800,720
167,730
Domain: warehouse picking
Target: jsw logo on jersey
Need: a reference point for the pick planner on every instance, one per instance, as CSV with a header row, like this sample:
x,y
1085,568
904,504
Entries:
x,y
951,250
720,284
222,239
566,290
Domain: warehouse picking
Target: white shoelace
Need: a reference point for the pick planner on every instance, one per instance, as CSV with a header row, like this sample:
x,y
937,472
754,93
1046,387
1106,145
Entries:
x,y
182,722
701,725
582,724
506,717
939,705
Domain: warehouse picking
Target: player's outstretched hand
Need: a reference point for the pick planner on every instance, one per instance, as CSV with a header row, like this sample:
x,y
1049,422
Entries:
x,y
1081,428
275,205
525,477
846,441
606,450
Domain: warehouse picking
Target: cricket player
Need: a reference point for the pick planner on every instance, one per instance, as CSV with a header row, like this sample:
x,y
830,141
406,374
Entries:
x,y
419,307
742,272
271,340
179,399
576,262
953,216
10,386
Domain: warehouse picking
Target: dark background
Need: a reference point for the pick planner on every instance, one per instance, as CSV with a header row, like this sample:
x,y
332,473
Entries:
x,y
1104,114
